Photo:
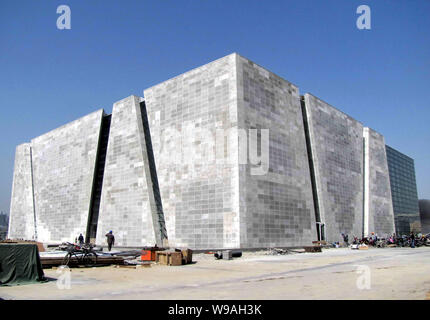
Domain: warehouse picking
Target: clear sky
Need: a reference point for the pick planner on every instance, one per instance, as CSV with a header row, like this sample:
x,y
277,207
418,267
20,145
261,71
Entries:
x,y
115,48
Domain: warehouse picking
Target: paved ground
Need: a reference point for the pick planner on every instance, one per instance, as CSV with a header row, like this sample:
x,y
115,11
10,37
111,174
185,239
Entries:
x,y
390,273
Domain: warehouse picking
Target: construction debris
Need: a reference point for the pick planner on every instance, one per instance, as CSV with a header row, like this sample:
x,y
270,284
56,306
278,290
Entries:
x,y
169,258
225,255
101,260
174,257
279,251
276,252
228,254
149,253
313,249
130,253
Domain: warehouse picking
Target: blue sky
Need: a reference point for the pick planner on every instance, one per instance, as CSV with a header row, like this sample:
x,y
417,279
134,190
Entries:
x,y
49,77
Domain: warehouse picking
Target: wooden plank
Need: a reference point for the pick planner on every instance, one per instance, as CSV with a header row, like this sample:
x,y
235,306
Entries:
x,y
54,261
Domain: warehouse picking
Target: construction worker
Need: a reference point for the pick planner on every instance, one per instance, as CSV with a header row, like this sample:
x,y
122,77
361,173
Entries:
x,y
110,239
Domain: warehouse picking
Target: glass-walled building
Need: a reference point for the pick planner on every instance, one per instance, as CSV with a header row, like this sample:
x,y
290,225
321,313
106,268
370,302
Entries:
x,y
404,192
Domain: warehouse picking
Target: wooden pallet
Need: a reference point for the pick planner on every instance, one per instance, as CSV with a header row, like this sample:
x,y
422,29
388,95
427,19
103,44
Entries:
x,y
169,258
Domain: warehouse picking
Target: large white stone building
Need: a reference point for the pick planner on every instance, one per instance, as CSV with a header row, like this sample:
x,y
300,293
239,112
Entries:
x,y
227,155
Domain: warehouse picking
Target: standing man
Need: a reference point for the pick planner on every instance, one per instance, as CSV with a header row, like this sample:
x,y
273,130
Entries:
x,y
81,240
110,240
346,240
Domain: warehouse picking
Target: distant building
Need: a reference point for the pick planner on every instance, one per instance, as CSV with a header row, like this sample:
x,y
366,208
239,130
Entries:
x,y
4,219
4,222
425,215
187,164
404,192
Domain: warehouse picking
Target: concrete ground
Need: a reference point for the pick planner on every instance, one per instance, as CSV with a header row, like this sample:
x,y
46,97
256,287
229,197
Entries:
x,y
389,273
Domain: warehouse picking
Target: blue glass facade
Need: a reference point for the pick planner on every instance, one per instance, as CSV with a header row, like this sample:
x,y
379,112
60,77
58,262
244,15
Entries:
x,y
403,191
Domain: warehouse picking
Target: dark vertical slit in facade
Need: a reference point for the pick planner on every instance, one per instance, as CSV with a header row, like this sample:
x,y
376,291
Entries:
x,y
32,190
153,170
320,230
364,187
99,169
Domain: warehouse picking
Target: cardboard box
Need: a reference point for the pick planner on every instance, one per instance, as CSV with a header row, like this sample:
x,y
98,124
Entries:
x,y
187,256
162,257
175,258
169,258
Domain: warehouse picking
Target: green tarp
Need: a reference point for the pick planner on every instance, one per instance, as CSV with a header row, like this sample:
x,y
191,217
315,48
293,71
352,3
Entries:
x,y
20,264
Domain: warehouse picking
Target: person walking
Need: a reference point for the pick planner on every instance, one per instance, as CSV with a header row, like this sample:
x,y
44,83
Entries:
x,y
110,239
345,239
81,240
412,240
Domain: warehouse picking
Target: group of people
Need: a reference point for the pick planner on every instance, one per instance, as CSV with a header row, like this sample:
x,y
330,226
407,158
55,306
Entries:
x,y
412,240
110,239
